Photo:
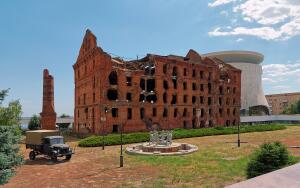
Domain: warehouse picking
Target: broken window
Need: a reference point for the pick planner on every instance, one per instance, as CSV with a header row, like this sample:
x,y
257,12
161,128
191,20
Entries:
x,y
129,113
221,112
112,94
165,113
94,97
209,76
233,101
78,113
202,112
150,85
175,112
151,98
154,112
129,96
234,90
114,112
174,99
128,81
78,73
209,101
184,72
202,124
166,86
233,112
228,112
194,99
210,123
201,74
165,67
201,87
142,98
185,98
174,73
142,84
210,111
152,70
165,99
220,101
184,85
84,98
94,82
194,112
194,73
113,78
115,128
142,113
228,89
227,101
185,125
174,83
233,122
227,123
201,99
194,86
209,87
185,113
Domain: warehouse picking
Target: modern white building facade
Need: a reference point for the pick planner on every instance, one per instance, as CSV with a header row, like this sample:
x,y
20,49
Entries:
x,y
253,100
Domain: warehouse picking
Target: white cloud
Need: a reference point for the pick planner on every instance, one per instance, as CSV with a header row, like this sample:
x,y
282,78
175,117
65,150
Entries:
x,y
280,18
220,2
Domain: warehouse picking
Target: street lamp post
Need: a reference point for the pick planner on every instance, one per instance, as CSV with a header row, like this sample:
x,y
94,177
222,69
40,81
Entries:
x,y
239,141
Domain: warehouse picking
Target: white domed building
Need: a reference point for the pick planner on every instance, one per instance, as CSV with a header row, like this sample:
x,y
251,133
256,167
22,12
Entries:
x,y
253,100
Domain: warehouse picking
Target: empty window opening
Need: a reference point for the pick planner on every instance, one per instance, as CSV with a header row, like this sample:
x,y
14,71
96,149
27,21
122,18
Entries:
x,y
154,112
194,124
113,78
112,94
233,122
174,99
150,85
202,112
185,124
78,100
221,90
220,101
94,97
194,99
209,76
185,112
142,98
151,98
227,101
201,74
194,73
114,112
166,86
185,98
210,123
228,89
194,112
194,86
201,99
174,73
142,113
184,72
221,112
128,81
165,98
202,124
129,113
175,112
210,112
128,96
227,123
165,67
184,85
165,113
152,70
233,112
234,90
84,98
201,87
174,83
94,82
209,87
115,128
233,101
142,84
209,101
78,114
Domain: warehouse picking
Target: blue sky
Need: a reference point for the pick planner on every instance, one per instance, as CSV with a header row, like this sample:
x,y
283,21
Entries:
x,y
47,34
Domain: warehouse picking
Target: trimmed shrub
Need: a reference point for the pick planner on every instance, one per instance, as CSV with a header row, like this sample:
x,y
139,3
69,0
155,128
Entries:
x,y
269,157
114,139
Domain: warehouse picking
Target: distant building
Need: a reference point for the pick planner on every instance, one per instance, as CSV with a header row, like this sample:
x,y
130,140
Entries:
x,y
253,101
166,91
278,102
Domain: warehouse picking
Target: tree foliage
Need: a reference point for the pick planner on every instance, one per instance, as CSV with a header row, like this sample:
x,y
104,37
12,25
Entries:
x,y
293,108
10,134
34,122
269,157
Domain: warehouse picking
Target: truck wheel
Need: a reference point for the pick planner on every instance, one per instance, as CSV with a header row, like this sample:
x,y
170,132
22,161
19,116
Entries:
x,y
68,157
32,155
53,157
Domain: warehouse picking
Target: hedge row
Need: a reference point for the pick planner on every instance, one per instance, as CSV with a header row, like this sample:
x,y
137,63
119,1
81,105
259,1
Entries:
x,y
114,139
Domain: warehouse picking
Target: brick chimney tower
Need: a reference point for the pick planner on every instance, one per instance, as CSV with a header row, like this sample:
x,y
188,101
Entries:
x,y
48,115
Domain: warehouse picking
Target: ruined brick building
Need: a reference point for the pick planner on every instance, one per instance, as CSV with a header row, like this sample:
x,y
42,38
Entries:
x,y
169,91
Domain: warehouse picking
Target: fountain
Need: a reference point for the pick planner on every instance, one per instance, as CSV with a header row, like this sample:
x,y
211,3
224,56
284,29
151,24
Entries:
x,y
160,143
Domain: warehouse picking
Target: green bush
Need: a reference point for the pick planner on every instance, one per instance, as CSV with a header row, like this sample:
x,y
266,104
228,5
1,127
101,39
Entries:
x,y
269,157
114,139
34,123
10,156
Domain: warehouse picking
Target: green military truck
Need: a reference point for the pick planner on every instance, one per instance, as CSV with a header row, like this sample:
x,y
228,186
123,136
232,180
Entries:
x,y
47,143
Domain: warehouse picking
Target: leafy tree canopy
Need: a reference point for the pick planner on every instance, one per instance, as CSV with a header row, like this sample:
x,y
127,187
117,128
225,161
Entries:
x,y
293,108
34,122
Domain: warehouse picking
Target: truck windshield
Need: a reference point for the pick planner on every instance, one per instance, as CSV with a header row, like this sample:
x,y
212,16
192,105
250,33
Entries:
x,y
57,141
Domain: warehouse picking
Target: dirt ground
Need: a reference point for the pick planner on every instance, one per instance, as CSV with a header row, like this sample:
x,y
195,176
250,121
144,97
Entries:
x,y
94,167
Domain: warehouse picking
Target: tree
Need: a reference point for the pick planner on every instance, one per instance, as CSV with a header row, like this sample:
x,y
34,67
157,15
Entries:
x,y
292,109
64,116
34,123
10,134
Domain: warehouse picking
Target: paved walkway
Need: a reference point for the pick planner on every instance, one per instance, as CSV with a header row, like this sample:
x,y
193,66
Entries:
x,y
288,177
